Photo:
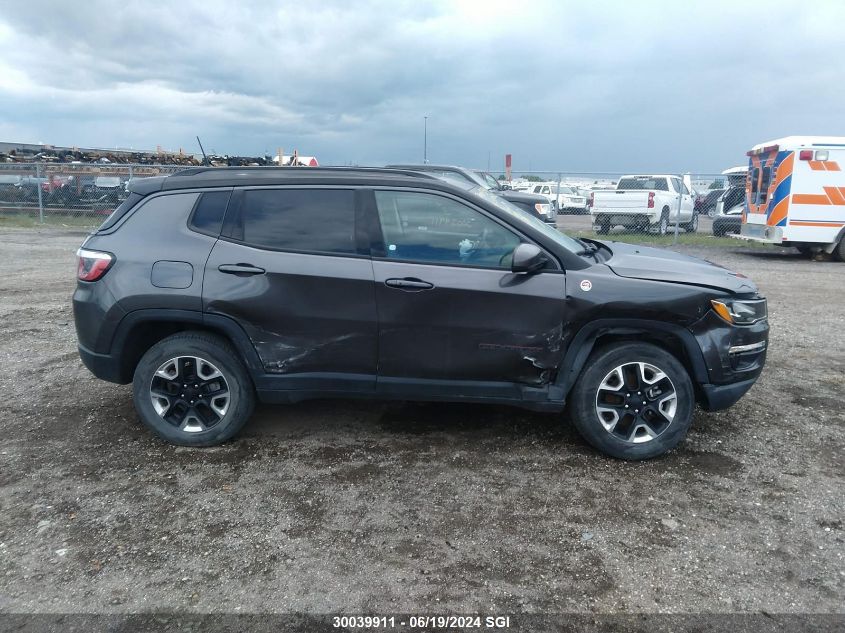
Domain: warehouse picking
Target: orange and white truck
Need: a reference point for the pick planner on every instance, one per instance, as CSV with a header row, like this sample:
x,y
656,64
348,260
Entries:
x,y
795,194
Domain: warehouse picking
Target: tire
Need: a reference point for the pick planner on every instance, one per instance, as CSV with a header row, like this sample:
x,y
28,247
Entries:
x,y
603,227
201,418
692,225
662,225
839,251
665,419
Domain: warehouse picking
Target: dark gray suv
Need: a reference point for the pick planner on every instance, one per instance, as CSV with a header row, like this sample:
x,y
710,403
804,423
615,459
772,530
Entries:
x,y
212,288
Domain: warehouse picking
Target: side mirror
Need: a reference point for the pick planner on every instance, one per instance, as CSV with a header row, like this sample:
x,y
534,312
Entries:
x,y
527,258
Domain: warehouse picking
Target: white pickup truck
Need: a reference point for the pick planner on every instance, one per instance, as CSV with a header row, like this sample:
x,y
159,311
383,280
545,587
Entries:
x,y
644,203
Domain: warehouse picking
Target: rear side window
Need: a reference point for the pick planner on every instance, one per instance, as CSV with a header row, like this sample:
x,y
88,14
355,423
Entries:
x,y
208,215
313,220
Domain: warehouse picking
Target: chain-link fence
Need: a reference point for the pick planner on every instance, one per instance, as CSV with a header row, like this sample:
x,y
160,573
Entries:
x,y
74,194
645,208
662,209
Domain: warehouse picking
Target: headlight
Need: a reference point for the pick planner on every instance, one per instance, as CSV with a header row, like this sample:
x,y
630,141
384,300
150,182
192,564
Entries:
x,y
740,311
544,209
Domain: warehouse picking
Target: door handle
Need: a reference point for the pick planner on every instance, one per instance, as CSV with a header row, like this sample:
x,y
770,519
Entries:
x,y
410,284
243,270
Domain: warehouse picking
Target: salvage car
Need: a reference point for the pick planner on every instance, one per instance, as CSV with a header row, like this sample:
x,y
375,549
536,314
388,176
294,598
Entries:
x,y
728,221
215,288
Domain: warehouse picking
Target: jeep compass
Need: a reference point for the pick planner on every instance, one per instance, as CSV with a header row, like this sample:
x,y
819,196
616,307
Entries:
x,y
214,288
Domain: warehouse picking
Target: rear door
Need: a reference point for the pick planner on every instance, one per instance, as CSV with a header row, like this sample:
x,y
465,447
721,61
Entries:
x,y
451,314
290,270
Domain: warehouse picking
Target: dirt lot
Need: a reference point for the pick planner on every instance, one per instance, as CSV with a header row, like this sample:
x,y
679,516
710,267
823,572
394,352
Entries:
x,y
345,506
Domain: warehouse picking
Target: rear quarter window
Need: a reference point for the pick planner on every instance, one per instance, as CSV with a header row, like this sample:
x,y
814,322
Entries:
x,y
121,210
162,211
208,214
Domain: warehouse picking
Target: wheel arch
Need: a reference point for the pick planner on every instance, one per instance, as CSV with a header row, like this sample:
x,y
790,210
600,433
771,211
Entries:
x,y
141,329
675,339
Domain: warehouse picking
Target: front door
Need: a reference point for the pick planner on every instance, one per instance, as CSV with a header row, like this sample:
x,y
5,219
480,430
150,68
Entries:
x,y
289,270
449,307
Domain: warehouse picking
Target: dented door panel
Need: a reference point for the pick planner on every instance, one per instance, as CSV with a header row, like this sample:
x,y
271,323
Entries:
x,y
305,313
472,324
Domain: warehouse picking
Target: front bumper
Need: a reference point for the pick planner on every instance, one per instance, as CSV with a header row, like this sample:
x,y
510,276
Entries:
x,y
733,355
718,397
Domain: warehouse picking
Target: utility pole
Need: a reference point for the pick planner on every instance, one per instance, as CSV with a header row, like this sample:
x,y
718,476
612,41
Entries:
x,y
425,140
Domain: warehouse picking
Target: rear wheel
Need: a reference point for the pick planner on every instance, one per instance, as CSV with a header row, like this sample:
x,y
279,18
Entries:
x,y
839,251
692,225
191,389
633,401
662,225
603,227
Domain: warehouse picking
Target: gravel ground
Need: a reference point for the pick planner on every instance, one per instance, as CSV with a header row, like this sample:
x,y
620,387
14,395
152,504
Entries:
x,y
347,506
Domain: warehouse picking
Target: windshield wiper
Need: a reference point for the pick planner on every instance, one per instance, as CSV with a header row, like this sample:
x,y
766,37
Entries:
x,y
589,248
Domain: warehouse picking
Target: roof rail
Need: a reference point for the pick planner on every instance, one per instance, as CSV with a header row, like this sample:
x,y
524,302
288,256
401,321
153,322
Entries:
x,y
194,171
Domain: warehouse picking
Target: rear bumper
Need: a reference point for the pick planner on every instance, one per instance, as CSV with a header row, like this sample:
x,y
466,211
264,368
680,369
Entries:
x,y
624,217
760,233
103,366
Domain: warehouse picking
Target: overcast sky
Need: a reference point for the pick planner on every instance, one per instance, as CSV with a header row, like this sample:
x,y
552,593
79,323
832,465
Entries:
x,y
580,86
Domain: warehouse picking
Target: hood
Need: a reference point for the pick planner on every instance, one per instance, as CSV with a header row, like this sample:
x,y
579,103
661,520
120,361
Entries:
x,y
643,262
520,196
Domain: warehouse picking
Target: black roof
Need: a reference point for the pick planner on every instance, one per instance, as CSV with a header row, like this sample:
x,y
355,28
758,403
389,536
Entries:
x,y
246,176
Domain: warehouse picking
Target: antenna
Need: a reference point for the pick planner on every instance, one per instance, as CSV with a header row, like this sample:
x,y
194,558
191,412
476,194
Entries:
x,y
204,157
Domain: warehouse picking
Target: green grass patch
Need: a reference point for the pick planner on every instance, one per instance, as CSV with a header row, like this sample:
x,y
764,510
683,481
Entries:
x,y
26,221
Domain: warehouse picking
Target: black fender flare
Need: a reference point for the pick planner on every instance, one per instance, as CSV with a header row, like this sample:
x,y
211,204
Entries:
x,y
225,326
584,342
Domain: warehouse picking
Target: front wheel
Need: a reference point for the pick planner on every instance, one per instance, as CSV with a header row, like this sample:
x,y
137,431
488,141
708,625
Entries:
x,y
192,389
692,225
633,401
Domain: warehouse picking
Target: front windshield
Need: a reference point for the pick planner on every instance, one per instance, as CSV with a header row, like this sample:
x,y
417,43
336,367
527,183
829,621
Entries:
x,y
564,190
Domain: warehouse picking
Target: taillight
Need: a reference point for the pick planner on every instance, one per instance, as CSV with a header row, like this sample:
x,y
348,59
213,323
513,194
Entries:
x,y
592,199
92,265
805,154
650,199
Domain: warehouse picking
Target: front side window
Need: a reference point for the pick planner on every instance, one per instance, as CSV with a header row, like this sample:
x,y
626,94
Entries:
x,y
428,228
311,220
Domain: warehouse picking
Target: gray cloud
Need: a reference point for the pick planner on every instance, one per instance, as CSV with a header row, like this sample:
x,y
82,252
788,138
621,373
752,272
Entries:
x,y
605,86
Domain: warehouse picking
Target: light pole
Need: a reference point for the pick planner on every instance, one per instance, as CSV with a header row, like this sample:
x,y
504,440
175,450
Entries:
x,y
425,140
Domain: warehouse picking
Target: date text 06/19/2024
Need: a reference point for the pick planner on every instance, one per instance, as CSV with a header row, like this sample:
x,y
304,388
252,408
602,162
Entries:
x,y
422,621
